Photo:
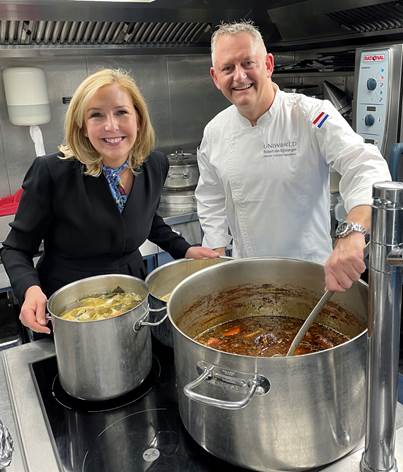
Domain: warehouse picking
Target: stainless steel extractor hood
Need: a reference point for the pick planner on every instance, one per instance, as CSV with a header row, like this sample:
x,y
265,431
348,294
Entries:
x,y
153,25
182,24
320,23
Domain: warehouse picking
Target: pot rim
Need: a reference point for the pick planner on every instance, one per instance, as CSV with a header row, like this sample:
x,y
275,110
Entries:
x,y
163,267
94,277
241,260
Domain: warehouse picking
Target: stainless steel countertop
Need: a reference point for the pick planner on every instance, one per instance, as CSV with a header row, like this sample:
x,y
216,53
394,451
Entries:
x,y
33,444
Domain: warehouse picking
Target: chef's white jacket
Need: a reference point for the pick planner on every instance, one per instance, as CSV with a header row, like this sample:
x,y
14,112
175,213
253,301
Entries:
x,y
268,184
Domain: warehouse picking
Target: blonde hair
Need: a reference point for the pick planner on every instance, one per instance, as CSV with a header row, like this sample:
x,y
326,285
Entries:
x,y
246,26
78,146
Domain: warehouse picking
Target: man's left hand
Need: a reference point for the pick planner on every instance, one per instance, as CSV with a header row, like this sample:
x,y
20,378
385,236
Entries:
x,y
346,263
199,252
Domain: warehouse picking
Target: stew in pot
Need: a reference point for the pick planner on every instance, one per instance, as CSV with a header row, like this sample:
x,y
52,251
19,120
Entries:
x,y
268,335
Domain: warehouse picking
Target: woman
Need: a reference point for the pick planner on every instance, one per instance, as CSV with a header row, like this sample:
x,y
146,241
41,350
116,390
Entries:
x,y
94,203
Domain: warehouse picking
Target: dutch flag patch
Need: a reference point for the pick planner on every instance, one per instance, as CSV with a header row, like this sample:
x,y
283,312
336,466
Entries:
x,y
320,119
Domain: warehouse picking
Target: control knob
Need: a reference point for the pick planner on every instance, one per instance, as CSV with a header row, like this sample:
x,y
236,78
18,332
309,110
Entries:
x,y
371,84
369,120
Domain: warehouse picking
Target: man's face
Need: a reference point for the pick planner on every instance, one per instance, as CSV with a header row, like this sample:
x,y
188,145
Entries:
x,y
242,71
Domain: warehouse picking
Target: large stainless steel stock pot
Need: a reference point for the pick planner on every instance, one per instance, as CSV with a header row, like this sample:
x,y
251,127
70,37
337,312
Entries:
x,y
100,360
273,413
162,281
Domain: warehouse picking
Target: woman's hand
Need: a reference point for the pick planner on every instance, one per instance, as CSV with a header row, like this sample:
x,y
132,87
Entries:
x,y
199,252
33,310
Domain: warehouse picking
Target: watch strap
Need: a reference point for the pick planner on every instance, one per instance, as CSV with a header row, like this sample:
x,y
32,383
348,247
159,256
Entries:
x,y
347,227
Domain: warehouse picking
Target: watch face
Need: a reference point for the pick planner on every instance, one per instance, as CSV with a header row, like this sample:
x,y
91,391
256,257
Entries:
x,y
342,229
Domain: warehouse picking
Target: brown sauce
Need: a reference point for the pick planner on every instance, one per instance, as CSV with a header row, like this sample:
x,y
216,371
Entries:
x,y
268,335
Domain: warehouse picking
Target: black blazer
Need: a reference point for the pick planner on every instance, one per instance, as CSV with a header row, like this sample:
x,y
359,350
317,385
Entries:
x,y
83,231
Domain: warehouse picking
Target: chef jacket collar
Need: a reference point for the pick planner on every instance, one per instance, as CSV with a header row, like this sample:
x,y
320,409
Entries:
x,y
264,119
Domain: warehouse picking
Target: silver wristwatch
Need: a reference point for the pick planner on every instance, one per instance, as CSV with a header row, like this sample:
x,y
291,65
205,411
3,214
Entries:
x,y
345,228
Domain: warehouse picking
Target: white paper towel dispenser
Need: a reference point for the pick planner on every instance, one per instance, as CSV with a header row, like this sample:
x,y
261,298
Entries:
x,y
26,96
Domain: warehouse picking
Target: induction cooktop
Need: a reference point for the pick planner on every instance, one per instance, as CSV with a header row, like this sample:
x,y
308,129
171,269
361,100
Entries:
x,y
140,431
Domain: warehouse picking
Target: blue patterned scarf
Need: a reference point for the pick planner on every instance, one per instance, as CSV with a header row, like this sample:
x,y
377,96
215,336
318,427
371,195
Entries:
x,y
112,175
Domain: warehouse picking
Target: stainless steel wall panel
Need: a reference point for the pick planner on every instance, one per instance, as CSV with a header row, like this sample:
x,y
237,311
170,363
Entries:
x,y
193,97
178,90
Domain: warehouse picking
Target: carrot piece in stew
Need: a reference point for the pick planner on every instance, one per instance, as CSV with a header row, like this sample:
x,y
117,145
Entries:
x,y
213,342
232,331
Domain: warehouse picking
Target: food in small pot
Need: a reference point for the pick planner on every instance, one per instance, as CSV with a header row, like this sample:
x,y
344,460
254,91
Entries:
x,y
102,307
268,336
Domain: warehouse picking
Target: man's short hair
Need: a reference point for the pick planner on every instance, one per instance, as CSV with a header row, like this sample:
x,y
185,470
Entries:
x,y
232,29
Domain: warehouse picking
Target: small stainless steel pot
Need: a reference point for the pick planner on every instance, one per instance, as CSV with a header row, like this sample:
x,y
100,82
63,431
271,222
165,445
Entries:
x,y
100,360
162,281
278,413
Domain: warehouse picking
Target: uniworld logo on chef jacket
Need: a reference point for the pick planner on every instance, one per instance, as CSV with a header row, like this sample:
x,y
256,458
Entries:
x,y
281,149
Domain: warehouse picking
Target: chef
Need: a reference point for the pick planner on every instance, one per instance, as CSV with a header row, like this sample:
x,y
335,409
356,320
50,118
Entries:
x,y
264,166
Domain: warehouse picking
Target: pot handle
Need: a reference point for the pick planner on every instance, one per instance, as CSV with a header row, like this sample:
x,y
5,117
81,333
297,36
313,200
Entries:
x,y
258,385
141,321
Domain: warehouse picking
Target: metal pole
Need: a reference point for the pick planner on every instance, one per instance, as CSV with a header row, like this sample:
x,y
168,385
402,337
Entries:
x,y
383,327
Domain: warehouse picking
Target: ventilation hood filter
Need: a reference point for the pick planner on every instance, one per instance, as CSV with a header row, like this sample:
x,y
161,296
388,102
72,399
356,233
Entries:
x,y
95,33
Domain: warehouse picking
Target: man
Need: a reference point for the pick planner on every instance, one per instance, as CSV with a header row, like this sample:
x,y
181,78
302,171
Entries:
x,y
264,166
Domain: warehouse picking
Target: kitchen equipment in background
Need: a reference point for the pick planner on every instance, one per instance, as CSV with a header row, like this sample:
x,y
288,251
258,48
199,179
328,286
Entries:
x,y
27,101
269,414
100,360
162,281
183,171
337,97
306,89
174,202
378,99
177,196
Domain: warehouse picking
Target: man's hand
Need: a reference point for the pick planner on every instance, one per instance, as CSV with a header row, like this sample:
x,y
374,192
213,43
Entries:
x,y
346,263
199,252
33,310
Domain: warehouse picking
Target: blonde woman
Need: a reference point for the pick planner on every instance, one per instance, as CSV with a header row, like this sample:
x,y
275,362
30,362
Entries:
x,y
94,203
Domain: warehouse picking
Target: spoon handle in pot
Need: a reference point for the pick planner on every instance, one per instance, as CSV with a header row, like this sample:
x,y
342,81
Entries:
x,y
308,322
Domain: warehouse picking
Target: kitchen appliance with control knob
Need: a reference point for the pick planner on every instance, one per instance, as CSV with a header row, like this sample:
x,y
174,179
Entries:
x,y
377,111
